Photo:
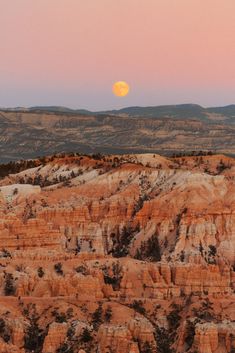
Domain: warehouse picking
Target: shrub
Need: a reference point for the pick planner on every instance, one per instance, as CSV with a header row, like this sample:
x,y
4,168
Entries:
x,y
163,340
70,332
4,331
20,268
123,240
15,191
34,336
86,335
108,314
182,256
201,248
82,269
58,268
212,250
41,272
205,312
97,316
9,288
149,250
28,213
147,348
137,305
69,313
139,204
116,279
6,253
222,166
190,333
174,317
97,156
59,317
2,326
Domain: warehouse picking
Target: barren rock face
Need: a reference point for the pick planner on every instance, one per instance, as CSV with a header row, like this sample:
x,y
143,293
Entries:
x,y
118,254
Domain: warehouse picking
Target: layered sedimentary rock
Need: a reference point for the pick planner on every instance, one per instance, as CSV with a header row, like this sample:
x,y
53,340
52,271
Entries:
x,y
131,253
211,337
55,337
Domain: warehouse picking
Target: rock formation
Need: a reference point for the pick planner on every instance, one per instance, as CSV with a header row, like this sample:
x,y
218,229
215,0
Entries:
x,y
131,253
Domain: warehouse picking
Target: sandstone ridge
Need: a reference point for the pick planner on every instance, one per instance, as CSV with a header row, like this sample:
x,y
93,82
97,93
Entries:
x,y
118,254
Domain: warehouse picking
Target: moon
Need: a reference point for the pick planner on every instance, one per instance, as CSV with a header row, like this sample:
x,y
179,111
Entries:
x,y
121,89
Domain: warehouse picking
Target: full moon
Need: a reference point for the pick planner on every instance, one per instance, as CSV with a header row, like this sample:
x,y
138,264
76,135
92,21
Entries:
x,y
121,89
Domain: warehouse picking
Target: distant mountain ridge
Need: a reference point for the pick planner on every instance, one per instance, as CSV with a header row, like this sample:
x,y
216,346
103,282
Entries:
x,y
37,131
179,111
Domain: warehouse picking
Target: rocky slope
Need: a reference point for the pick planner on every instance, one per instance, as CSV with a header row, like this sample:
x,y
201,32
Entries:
x,y
118,254
34,132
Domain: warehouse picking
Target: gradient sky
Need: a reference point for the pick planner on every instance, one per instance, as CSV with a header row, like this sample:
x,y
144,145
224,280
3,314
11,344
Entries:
x,y
69,52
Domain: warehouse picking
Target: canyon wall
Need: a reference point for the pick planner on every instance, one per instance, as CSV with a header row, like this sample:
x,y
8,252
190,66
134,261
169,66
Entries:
x,y
132,253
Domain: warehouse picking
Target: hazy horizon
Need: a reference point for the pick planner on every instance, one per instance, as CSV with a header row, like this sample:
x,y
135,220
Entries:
x,y
120,108
70,52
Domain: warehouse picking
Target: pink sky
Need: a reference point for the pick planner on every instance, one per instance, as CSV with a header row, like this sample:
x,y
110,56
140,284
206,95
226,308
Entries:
x,y
69,52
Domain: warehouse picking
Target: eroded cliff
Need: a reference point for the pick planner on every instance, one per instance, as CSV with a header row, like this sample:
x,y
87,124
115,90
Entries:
x,y
118,254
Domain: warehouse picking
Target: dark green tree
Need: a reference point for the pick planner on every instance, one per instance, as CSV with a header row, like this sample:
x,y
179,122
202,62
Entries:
x,y
9,288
